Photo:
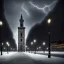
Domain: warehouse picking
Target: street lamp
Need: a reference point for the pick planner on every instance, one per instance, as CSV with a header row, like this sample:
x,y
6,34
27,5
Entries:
x,y
47,48
2,44
7,43
35,45
1,48
31,43
49,21
39,47
11,49
44,43
44,46
34,40
4,48
49,54
26,48
1,23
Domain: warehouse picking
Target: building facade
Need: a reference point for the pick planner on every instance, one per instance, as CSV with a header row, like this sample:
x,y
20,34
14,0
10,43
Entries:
x,y
21,36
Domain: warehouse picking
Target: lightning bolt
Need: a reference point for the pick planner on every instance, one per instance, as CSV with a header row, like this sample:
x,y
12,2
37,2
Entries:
x,y
25,10
43,8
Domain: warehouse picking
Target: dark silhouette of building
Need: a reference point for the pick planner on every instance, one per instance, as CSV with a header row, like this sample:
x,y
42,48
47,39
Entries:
x,y
57,46
5,31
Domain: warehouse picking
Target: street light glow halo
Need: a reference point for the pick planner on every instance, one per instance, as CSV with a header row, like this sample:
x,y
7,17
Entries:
x,y
49,21
34,40
7,43
31,43
2,44
1,23
44,43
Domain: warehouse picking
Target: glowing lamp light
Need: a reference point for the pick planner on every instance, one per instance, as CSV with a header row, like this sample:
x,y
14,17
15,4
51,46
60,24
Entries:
x,y
39,47
49,21
34,40
1,23
2,44
47,48
44,43
31,43
26,46
11,48
7,43
4,48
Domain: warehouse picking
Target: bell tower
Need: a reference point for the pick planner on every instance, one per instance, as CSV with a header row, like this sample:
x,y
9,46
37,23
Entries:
x,y
21,36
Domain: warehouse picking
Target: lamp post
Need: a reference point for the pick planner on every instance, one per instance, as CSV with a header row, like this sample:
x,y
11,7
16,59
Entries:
x,y
26,48
49,54
4,48
1,48
44,46
35,45
37,49
32,45
7,43
1,23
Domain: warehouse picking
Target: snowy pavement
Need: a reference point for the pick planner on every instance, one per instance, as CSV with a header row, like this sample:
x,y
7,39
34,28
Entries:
x,y
29,58
43,59
16,58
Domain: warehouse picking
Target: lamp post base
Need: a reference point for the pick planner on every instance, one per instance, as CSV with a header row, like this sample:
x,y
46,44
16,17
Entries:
x,y
1,50
49,56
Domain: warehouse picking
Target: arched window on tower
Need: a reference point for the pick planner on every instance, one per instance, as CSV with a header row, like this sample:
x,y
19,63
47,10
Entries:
x,y
21,40
21,34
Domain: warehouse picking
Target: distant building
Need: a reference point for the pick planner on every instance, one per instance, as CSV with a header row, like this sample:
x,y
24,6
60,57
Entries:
x,y
21,36
57,46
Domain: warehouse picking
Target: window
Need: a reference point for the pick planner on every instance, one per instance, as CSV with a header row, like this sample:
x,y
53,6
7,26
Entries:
x,y
21,34
21,39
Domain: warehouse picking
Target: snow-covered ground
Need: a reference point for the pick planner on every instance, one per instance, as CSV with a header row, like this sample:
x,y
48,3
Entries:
x,y
30,58
44,59
52,52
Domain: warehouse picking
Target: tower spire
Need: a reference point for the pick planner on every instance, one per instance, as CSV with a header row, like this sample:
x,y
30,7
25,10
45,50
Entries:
x,y
21,21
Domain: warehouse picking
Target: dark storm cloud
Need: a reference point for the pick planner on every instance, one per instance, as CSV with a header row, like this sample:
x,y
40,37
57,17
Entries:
x,y
5,31
40,31
13,11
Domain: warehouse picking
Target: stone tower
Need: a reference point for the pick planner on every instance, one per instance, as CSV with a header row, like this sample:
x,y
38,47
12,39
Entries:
x,y
21,36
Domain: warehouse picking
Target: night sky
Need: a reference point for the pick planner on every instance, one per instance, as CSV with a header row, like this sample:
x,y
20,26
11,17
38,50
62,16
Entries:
x,y
6,35
33,11
40,31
